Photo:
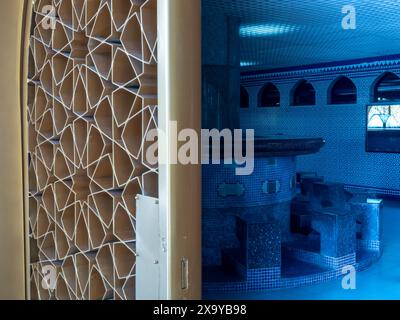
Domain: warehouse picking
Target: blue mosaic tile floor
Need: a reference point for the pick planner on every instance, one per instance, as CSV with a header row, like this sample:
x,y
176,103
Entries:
x,y
293,268
381,281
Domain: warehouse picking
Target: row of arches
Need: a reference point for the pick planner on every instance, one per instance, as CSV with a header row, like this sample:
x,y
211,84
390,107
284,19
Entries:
x,y
342,91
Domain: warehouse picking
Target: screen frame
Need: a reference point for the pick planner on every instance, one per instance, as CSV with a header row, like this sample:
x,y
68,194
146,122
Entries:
x,y
368,106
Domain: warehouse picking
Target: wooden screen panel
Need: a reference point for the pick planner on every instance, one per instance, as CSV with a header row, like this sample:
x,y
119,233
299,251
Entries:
x,y
92,97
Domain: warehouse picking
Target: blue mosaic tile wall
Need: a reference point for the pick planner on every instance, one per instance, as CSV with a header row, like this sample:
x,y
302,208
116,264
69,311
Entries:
x,y
343,126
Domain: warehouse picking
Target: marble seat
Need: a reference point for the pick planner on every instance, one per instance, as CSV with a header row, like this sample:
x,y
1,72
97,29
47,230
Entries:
x,y
337,229
300,216
307,185
328,194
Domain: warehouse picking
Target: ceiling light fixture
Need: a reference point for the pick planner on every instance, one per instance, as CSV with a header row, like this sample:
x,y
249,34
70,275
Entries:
x,y
263,30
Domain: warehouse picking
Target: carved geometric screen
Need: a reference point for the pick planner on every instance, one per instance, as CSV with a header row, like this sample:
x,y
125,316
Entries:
x,y
92,99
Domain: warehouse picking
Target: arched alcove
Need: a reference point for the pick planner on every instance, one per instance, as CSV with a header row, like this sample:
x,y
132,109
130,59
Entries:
x,y
244,98
342,91
269,96
303,94
386,88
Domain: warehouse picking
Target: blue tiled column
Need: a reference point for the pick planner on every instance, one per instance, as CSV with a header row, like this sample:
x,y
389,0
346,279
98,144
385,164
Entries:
x,y
369,214
260,242
221,73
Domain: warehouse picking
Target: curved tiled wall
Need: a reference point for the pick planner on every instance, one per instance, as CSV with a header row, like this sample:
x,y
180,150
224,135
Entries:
x,y
92,98
267,192
273,181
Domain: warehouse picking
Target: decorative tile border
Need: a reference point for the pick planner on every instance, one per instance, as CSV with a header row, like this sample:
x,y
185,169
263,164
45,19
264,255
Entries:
x,y
353,68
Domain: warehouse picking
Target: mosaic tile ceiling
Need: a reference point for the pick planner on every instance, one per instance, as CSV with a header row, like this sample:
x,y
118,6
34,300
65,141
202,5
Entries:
x,y
284,33
92,98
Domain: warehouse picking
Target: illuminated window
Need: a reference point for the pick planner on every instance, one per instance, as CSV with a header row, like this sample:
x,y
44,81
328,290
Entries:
x,y
303,94
384,117
387,88
343,91
244,98
269,96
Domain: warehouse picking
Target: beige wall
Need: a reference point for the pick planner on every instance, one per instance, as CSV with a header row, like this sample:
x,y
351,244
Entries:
x,y
12,222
